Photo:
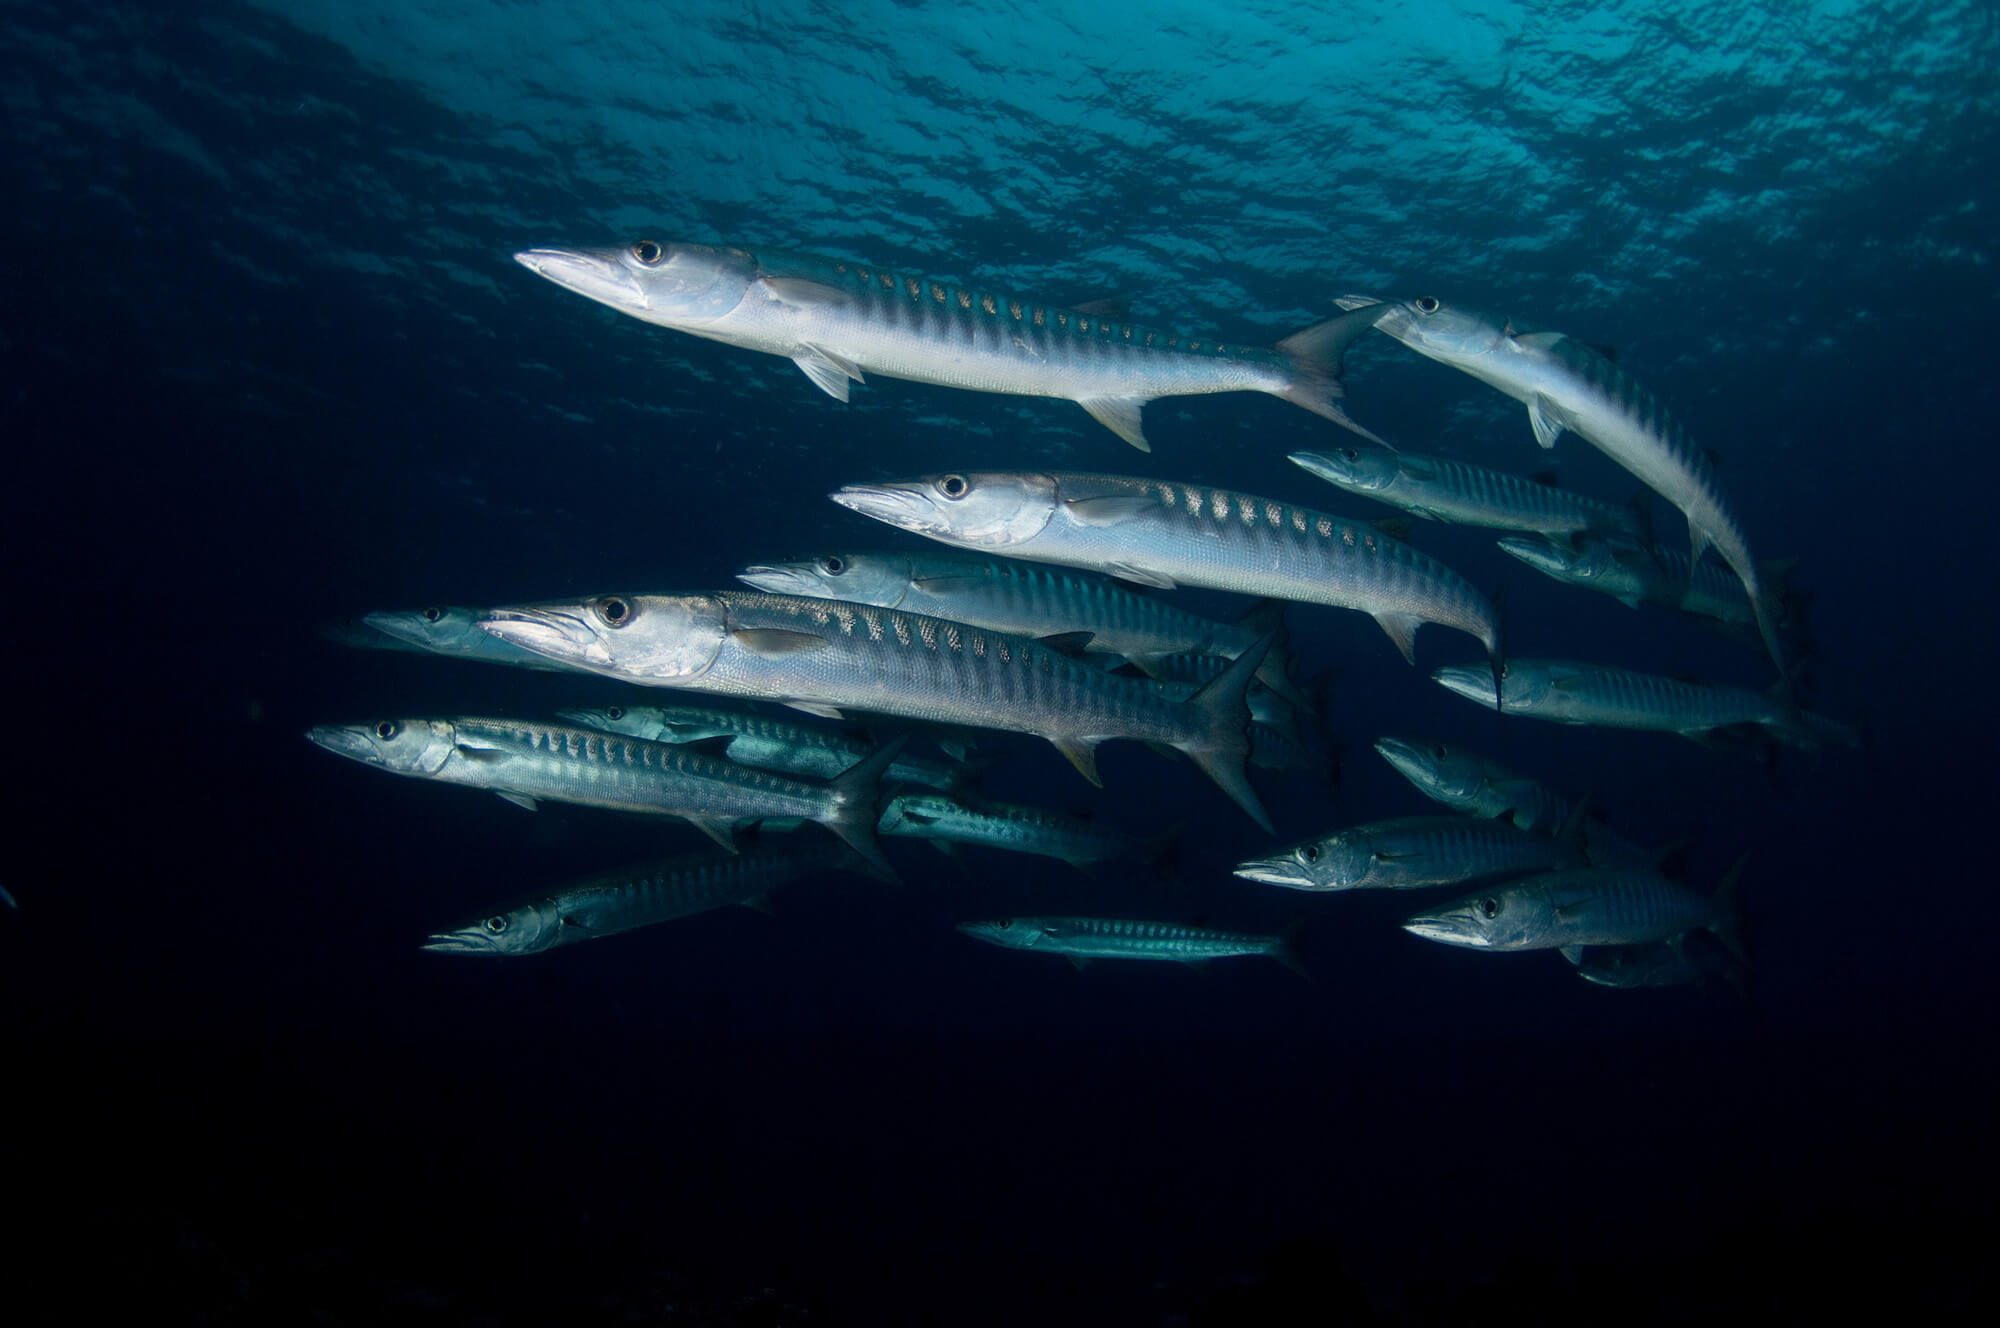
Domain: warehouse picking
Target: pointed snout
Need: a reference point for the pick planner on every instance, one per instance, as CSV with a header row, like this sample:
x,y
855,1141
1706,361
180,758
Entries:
x,y
1474,682
594,274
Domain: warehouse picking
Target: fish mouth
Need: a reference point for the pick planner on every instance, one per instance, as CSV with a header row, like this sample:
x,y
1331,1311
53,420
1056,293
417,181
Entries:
x,y
1447,928
782,578
591,275
554,633
1326,468
1404,755
349,740
1282,869
1535,553
901,505
396,624
1395,320
1474,682
458,942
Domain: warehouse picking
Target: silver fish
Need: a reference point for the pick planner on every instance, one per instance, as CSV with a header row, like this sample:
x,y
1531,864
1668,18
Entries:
x,y
825,656
767,743
617,901
1082,939
1635,572
1441,489
1588,906
839,321
1411,852
1473,785
947,821
524,762
1691,957
1568,692
1030,600
1168,534
1568,385
452,630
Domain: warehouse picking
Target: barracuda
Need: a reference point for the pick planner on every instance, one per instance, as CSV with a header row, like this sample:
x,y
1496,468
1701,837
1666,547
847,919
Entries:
x,y
947,821
1411,852
1589,906
523,762
759,740
1082,939
1441,489
1573,693
608,903
1635,572
1032,601
1165,534
826,656
839,321
1567,385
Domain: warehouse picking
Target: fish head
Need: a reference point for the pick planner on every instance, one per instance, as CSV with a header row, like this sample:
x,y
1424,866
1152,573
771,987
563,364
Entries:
x,y
403,746
663,639
1014,933
1525,685
990,509
1363,467
1500,918
881,579
632,721
687,286
515,931
1564,561
1442,773
446,629
1431,327
1335,862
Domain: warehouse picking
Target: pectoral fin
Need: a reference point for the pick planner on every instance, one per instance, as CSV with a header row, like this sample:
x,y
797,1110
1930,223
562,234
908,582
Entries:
x,y
828,372
1108,511
1144,576
777,642
1543,418
1121,416
803,292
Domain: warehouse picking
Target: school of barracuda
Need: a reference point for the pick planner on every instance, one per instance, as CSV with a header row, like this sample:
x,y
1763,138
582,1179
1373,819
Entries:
x,y
1049,614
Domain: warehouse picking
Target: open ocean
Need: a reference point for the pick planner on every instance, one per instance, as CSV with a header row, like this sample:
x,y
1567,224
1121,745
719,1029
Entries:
x,y
269,364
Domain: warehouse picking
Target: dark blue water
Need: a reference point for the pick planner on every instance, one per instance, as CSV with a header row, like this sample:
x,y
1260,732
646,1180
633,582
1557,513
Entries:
x,y
269,364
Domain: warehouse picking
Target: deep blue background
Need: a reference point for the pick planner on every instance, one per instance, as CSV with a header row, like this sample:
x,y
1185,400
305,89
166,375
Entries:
x,y
268,364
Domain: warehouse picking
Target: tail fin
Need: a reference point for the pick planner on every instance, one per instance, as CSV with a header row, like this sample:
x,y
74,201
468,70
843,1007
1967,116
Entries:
x,y
1223,748
1728,922
1285,950
856,805
1315,354
1268,617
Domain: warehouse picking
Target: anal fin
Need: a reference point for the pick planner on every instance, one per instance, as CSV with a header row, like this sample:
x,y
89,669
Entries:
x,y
1543,418
1402,629
1121,416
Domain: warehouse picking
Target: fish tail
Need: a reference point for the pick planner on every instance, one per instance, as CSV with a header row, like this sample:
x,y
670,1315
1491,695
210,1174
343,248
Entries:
x,y
1223,749
1315,355
1728,923
1285,950
857,805
1276,671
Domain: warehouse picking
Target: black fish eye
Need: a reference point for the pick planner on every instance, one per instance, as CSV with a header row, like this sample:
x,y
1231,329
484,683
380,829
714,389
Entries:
x,y
648,252
1309,853
387,729
832,565
496,925
1350,454
615,712
953,486
615,611
1438,751
432,615
1427,304
1490,907
1005,923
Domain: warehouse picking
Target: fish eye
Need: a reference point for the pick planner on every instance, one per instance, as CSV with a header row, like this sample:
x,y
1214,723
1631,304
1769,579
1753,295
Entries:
x,y
832,565
614,712
432,615
1005,923
614,610
1489,907
496,925
387,729
953,486
1309,853
1350,453
1427,304
1439,751
648,252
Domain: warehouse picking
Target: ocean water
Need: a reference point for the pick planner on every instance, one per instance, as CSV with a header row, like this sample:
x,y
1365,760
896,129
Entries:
x,y
269,364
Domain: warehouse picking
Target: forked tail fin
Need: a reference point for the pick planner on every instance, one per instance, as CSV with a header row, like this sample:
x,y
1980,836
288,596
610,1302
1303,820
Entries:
x,y
1223,748
857,798
1316,353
